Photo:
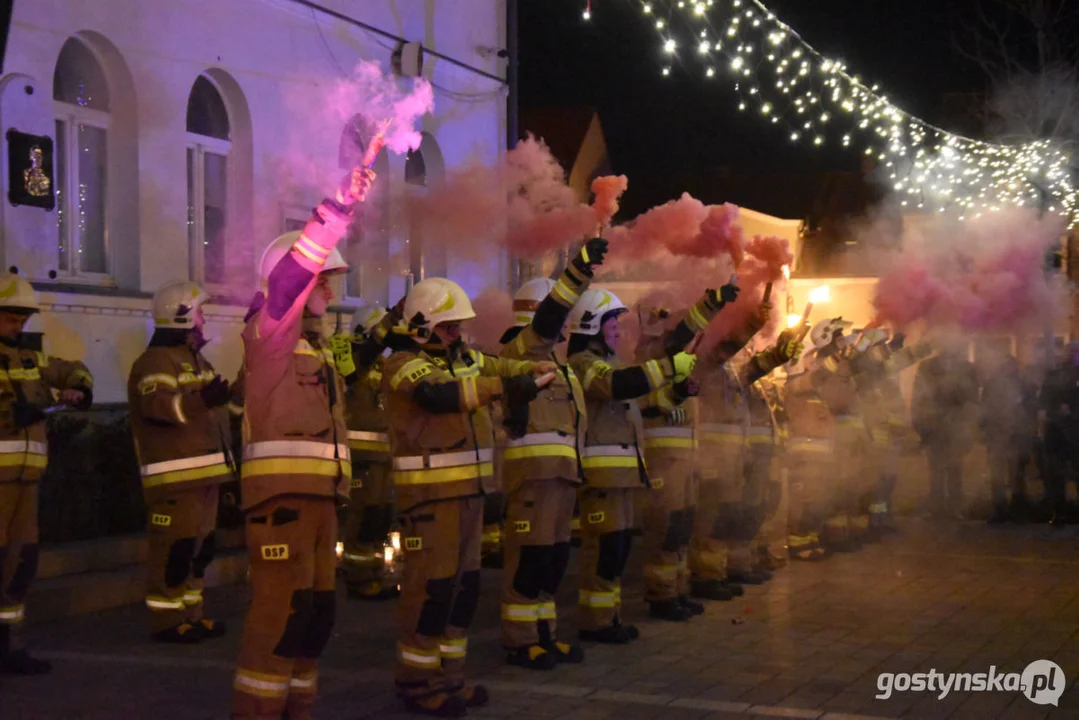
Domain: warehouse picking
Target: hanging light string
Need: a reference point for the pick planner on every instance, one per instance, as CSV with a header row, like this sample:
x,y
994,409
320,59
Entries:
x,y
815,100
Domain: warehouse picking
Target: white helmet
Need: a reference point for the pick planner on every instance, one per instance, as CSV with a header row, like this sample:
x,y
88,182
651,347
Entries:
x,y
175,304
587,315
17,295
280,247
871,337
367,317
528,299
433,301
823,332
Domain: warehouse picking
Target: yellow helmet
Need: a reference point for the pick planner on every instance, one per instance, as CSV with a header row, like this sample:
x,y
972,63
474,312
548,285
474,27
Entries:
x,y
17,295
175,304
280,247
433,301
528,299
367,317
587,315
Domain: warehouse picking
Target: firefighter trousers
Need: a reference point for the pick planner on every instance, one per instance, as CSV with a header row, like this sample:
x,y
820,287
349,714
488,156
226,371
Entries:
x,y
809,463
18,558
440,588
291,548
744,554
367,523
772,538
667,520
538,517
180,530
606,538
720,494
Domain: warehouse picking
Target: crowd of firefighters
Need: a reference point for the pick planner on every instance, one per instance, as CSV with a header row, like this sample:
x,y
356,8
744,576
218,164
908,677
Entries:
x,y
416,431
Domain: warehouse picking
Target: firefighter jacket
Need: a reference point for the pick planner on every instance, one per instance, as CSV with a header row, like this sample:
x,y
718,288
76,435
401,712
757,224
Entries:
x,y
612,454
836,386
945,403
236,392
876,372
180,442
368,430
27,381
669,419
441,434
295,439
557,418
809,421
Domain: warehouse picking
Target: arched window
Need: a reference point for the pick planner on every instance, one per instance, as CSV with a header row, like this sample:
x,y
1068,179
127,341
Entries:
x,y
209,144
367,246
81,95
423,168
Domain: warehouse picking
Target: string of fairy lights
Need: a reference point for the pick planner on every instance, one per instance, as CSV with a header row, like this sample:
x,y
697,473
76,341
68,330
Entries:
x,y
816,100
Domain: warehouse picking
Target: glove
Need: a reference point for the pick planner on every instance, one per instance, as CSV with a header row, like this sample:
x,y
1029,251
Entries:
x,y
592,253
677,417
519,390
27,415
341,345
215,393
897,341
729,293
683,364
686,389
788,347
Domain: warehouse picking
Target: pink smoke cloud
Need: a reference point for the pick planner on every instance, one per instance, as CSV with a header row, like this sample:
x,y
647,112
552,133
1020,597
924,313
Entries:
x,y
494,314
982,275
377,97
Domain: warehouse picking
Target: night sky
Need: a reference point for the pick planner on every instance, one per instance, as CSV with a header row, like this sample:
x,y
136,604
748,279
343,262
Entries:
x,y
675,133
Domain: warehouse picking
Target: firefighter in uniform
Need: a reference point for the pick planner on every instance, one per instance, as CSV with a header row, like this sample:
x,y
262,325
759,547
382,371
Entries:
x,y
670,451
722,459
541,469
877,373
27,381
295,464
177,417
810,451
437,393
370,506
612,456
772,538
746,563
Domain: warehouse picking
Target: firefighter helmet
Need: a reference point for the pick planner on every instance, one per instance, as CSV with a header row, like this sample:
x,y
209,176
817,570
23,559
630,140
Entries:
x,y
528,299
17,295
592,309
175,305
825,331
279,248
433,301
367,317
871,337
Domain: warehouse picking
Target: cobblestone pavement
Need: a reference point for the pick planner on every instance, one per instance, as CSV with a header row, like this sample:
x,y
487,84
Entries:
x,y
809,644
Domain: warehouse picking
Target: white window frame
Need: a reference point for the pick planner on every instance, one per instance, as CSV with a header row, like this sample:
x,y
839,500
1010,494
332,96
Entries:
x,y
73,116
200,145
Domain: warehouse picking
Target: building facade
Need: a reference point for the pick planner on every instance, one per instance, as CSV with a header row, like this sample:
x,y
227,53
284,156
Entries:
x,y
180,138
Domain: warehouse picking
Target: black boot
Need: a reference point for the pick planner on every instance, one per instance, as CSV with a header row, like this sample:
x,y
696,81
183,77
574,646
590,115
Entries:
x,y
669,610
735,589
19,662
533,657
474,695
183,634
690,604
210,629
440,703
565,653
710,590
630,630
1000,515
610,635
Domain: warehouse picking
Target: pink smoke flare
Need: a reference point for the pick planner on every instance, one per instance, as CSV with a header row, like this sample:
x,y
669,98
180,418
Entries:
x,y
607,190
377,97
